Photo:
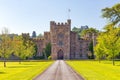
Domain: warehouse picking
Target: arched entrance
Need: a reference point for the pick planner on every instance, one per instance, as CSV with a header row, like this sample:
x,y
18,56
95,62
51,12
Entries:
x,y
60,54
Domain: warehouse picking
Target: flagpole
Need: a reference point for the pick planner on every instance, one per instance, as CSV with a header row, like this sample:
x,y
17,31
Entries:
x,y
69,13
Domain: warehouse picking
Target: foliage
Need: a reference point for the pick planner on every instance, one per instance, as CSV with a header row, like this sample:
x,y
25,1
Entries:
x,y
6,47
34,34
109,41
99,51
40,36
19,48
77,30
29,46
89,31
25,71
111,36
112,14
92,70
50,57
23,48
35,53
48,50
91,50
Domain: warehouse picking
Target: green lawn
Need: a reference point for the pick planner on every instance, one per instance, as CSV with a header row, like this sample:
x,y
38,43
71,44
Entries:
x,y
23,71
93,70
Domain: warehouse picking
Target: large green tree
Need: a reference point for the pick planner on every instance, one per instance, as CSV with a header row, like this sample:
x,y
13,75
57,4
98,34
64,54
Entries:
x,y
23,48
110,41
99,48
112,33
19,48
29,45
6,47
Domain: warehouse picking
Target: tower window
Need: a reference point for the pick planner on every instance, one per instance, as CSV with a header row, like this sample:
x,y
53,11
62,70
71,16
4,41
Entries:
x,y
60,35
60,43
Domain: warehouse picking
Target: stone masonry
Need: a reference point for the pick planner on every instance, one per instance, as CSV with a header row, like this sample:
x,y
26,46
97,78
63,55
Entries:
x,y
65,43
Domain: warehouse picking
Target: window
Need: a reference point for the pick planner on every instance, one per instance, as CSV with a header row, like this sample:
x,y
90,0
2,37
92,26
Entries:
x,y
80,50
60,43
60,35
80,55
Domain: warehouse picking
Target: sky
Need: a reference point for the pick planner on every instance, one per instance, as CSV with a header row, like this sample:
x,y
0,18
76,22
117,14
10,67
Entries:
x,y
26,16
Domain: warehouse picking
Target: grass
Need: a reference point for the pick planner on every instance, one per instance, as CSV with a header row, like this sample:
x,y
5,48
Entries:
x,y
93,70
23,71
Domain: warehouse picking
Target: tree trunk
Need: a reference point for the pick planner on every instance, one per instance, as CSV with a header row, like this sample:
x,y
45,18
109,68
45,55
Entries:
x,y
19,61
99,59
4,63
113,60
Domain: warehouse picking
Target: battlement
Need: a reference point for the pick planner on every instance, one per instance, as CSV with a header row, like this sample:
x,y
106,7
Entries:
x,y
38,39
60,24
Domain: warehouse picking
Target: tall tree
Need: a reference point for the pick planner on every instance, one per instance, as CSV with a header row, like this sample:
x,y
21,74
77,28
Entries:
x,y
29,45
23,48
34,34
110,41
112,33
47,50
6,47
19,48
91,50
99,48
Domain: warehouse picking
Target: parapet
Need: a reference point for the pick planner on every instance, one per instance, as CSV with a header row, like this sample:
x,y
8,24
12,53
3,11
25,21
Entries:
x,y
39,39
60,24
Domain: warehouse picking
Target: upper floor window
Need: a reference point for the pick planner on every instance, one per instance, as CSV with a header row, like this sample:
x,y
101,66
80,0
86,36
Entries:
x,y
60,43
60,35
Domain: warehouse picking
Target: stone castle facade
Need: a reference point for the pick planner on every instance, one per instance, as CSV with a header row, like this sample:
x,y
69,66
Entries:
x,y
65,43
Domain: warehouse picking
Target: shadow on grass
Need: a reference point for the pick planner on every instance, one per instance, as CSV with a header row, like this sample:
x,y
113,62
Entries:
x,y
19,66
28,64
118,65
2,72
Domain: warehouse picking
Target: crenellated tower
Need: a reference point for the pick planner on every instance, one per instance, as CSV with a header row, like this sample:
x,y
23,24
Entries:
x,y
60,39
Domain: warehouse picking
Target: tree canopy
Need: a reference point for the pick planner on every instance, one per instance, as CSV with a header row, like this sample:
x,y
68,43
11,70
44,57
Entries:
x,y
109,39
112,14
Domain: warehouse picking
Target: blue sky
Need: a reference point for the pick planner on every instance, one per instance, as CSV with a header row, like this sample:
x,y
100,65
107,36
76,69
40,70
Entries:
x,y
25,16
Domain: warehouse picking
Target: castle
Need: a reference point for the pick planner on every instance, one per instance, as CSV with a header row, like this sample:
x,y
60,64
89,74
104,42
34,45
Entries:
x,y
65,43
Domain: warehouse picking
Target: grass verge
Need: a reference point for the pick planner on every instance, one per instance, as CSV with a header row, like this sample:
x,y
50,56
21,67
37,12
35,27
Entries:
x,y
92,70
23,71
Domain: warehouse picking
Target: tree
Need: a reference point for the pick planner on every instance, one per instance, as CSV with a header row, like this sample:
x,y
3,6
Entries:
x,y
19,48
91,50
29,45
6,47
23,49
89,31
99,48
40,36
112,33
47,50
77,30
112,14
34,34
110,41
